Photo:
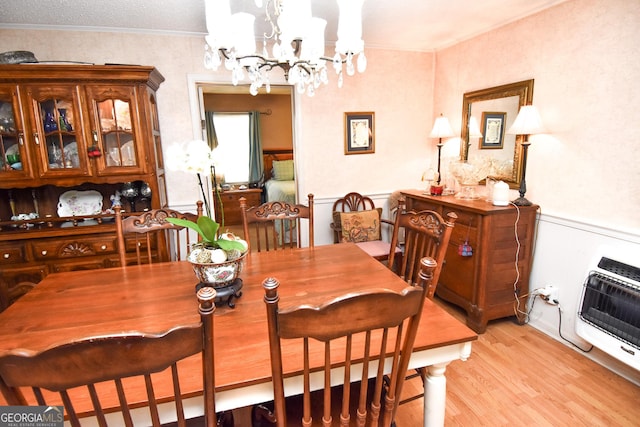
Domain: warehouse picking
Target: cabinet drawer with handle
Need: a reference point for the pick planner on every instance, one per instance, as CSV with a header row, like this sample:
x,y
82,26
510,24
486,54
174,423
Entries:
x,y
11,254
74,248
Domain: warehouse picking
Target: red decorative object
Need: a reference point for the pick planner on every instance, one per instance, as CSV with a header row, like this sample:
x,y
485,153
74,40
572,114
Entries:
x,y
94,151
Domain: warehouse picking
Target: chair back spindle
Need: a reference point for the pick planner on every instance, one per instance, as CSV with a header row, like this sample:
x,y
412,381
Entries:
x,y
346,332
92,364
276,225
426,233
155,238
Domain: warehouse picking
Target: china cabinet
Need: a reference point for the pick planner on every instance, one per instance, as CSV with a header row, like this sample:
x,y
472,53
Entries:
x,y
71,136
486,266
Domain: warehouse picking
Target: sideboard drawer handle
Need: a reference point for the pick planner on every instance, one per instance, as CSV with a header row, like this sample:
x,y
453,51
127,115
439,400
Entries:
x,y
44,253
6,256
103,247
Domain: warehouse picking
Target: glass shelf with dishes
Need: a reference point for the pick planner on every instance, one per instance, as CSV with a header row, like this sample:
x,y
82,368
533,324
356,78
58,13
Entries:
x,y
113,109
54,132
60,131
119,149
49,207
12,147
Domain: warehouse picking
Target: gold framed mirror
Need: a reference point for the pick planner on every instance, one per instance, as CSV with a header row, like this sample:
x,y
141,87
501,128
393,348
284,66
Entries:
x,y
494,111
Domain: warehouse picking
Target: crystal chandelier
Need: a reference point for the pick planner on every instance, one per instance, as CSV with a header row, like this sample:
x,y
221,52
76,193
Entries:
x,y
297,43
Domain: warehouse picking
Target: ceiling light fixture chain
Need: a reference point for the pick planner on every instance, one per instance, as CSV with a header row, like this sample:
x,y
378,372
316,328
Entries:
x,y
298,43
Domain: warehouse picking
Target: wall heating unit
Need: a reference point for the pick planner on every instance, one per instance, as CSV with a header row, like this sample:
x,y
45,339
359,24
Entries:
x,y
609,310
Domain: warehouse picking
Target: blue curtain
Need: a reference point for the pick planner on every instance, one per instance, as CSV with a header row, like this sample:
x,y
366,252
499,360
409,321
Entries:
x,y
256,163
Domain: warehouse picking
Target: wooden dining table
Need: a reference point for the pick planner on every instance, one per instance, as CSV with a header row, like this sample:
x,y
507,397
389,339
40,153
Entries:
x,y
152,298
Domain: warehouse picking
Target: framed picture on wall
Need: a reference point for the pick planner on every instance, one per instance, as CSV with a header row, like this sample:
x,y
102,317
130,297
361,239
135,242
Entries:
x,y
359,133
492,130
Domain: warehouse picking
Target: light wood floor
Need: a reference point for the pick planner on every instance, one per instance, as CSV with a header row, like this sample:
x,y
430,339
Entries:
x,y
518,376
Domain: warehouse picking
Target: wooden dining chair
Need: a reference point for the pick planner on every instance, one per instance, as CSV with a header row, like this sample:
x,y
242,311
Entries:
x,y
275,225
426,233
79,370
150,230
351,202
346,332
9,294
356,219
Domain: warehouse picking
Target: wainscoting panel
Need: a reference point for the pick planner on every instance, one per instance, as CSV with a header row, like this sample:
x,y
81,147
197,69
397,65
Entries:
x,y
564,251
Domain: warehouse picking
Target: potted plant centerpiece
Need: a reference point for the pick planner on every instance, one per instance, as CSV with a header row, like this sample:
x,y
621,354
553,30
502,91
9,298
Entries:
x,y
218,257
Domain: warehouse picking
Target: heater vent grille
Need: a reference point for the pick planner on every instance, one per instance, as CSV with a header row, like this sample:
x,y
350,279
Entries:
x,y
611,305
609,311
619,268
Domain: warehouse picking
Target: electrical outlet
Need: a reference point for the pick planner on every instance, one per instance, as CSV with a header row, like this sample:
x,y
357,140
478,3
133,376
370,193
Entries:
x,y
549,294
542,292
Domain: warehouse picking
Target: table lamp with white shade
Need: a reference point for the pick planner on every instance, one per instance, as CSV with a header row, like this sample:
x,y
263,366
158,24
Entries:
x,y
441,129
527,123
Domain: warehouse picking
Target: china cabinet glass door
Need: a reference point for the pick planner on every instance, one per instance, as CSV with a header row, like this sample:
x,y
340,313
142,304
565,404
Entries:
x,y
58,131
116,133
14,159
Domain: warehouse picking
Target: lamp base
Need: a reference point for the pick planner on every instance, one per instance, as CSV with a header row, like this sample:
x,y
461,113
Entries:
x,y
521,201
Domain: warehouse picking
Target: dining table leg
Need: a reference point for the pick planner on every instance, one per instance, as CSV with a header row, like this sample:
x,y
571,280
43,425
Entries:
x,y
435,392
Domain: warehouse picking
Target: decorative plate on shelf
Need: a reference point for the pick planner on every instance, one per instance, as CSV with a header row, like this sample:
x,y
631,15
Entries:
x,y
78,203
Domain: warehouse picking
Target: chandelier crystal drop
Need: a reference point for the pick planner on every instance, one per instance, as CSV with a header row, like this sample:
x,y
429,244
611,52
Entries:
x,y
296,39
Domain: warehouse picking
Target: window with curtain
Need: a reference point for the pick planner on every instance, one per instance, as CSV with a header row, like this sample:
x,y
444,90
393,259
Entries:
x,y
232,153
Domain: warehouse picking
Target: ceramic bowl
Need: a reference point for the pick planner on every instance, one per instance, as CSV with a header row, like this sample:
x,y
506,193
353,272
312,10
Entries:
x,y
17,57
218,274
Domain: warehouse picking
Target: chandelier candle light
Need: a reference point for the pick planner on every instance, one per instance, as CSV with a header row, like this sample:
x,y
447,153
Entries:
x,y
297,41
527,123
441,129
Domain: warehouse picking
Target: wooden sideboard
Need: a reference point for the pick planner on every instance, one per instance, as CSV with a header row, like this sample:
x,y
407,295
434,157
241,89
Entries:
x,y
74,130
231,204
487,283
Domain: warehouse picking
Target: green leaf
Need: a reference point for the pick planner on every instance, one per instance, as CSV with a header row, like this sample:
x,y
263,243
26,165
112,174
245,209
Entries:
x,y
228,245
185,223
208,229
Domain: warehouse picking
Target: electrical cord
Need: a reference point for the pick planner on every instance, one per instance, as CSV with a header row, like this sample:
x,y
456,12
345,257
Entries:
x,y
527,313
516,306
517,311
567,340
559,325
533,302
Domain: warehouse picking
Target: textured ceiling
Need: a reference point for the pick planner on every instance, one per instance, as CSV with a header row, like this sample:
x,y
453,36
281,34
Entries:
x,y
419,25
